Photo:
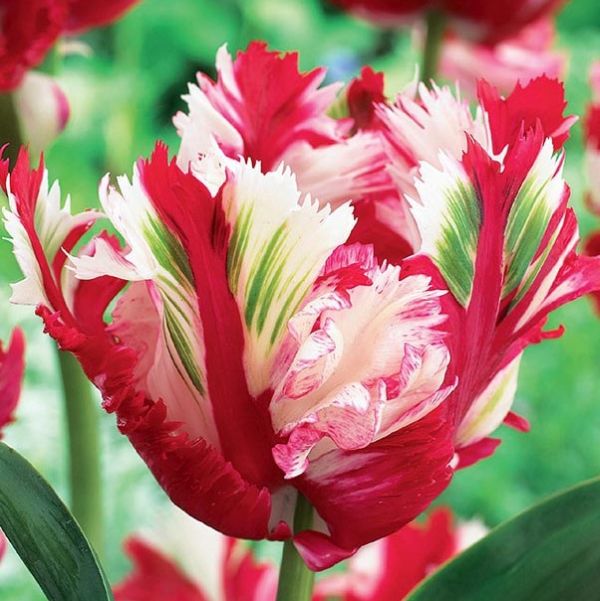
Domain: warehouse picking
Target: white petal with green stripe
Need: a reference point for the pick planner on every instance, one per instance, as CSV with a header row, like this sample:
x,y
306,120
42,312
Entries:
x,y
449,219
535,203
491,406
53,224
157,255
279,243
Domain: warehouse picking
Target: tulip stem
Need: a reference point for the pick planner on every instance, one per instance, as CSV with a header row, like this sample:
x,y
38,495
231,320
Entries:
x,y
85,478
10,130
296,581
434,32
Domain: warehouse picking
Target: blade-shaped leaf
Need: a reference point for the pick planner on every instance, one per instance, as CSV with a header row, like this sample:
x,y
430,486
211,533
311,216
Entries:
x,y
550,552
45,534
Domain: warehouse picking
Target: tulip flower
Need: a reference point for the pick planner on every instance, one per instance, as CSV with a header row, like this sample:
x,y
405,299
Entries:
x,y
261,107
425,135
250,354
591,132
490,203
28,30
518,59
488,22
42,108
12,367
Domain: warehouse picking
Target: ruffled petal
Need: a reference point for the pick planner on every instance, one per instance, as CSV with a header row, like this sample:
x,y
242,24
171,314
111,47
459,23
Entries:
x,y
259,106
366,494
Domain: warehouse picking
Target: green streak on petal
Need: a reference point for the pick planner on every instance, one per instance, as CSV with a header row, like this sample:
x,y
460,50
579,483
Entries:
x,y
167,249
238,246
457,245
183,347
289,307
527,223
534,271
260,273
176,288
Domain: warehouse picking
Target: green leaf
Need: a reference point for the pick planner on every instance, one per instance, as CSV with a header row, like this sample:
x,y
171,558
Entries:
x,y
45,534
550,552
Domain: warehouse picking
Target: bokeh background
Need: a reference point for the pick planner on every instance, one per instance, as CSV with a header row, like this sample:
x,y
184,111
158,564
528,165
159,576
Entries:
x,y
125,85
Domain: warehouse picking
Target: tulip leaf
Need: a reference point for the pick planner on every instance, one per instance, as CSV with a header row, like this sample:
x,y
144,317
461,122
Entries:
x,y
45,534
550,552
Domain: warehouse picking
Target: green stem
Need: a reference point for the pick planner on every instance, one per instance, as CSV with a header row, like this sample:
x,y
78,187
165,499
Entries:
x,y
434,32
296,581
10,131
84,450
81,411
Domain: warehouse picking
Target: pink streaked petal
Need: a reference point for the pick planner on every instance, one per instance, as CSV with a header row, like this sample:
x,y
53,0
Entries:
x,y
393,322
12,368
350,169
368,493
313,364
350,417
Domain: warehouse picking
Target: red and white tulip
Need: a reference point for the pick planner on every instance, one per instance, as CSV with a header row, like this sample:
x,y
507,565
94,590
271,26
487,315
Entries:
x,y
249,355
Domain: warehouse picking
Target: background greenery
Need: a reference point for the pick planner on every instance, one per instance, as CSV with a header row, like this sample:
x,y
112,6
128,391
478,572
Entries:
x,y
123,96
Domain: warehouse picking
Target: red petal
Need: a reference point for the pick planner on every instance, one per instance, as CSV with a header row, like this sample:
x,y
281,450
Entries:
x,y
195,476
186,206
542,100
476,452
245,579
388,244
363,93
517,422
154,577
85,14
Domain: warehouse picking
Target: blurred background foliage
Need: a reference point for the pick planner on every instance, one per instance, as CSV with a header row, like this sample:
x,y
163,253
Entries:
x,y
124,89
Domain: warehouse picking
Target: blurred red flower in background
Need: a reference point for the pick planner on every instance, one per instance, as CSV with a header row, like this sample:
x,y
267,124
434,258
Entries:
x,y
484,21
28,30
186,561
591,135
